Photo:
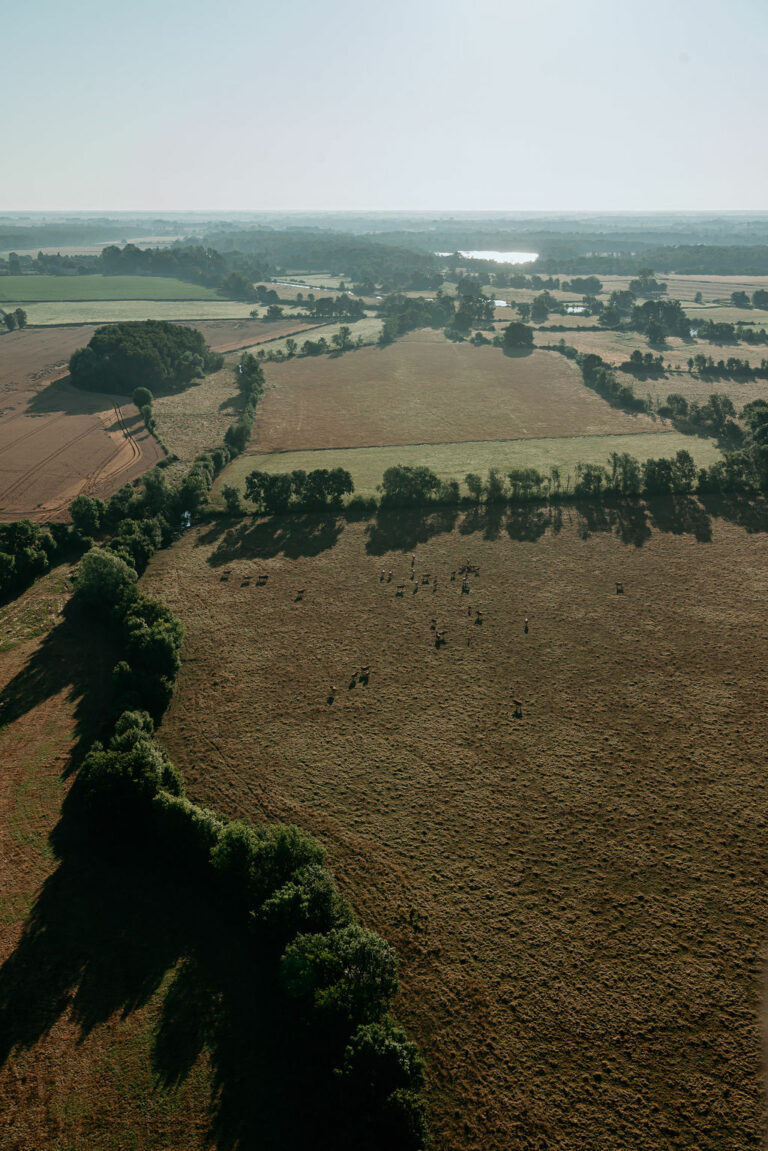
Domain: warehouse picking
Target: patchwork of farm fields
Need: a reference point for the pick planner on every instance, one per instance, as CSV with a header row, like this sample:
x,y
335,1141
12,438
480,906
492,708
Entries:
x,y
34,289
578,892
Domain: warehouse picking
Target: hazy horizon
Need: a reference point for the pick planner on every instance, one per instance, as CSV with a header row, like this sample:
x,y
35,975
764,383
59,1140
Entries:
x,y
346,107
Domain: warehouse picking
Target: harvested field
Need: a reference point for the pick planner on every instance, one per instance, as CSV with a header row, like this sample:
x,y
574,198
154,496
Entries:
x,y
113,311
36,289
453,461
56,441
61,442
578,893
30,356
425,389
368,329
229,335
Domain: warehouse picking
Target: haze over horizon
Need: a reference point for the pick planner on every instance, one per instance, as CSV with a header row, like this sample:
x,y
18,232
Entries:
x,y
345,107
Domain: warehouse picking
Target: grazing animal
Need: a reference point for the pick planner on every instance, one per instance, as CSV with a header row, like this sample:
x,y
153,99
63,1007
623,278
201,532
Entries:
x,y
364,675
525,626
619,588
426,577
433,625
262,579
518,708
389,578
465,587
479,617
382,576
453,576
400,589
300,595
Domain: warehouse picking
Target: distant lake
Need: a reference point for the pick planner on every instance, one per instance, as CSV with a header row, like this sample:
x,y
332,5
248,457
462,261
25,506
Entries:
x,y
497,257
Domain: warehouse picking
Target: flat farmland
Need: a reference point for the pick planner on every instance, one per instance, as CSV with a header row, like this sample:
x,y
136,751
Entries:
x,y
229,335
113,311
56,441
27,356
36,289
453,461
581,919
60,442
426,389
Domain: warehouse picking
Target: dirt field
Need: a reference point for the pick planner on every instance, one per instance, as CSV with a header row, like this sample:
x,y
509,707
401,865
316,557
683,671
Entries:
x,y
578,895
453,461
425,389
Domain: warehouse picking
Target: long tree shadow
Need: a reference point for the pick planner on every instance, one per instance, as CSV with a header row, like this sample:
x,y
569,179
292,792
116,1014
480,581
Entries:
x,y
289,535
681,515
76,656
401,529
109,934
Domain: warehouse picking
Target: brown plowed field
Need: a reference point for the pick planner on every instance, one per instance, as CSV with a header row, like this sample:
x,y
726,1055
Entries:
x,y
579,895
57,441
426,389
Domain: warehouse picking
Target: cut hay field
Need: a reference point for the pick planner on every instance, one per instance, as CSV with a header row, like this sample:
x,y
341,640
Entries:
x,y
196,419
113,311
579,895
38,289
426,389
227,336
368,329
56,441
453,461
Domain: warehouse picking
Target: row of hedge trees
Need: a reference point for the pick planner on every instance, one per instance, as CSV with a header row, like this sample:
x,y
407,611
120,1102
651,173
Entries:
x,y
335,980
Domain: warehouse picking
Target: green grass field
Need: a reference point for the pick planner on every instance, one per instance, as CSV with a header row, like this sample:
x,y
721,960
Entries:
x,y
369,328
113,311
453,461
36,289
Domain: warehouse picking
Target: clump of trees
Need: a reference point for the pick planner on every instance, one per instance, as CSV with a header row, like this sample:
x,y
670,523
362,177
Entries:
x,y
406,313
153,354
27,551
517,336
15,319
276,493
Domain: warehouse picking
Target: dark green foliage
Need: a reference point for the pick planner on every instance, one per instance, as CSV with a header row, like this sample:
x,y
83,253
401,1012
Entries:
x,y
253,863
87,513
119,782
309,902
404,314
345,977
380,1077
404,486
232,500
153,354
516,336
104,581
186,833
236,286
141,397
10,321
277,493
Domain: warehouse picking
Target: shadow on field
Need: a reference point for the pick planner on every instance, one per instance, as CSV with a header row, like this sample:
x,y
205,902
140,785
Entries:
x,y
75,656
401,529
108,933
290,535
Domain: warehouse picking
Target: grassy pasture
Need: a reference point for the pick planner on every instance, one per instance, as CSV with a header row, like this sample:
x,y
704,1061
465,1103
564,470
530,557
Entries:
x,y
42,289
114,311
426,389
453,461
369,328
578,896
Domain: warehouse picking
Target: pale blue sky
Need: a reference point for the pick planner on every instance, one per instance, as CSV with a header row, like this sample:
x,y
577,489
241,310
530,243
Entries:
x,y
409,104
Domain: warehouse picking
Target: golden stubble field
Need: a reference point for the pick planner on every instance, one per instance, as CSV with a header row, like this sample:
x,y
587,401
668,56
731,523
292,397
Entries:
x,y
426,389
578,895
